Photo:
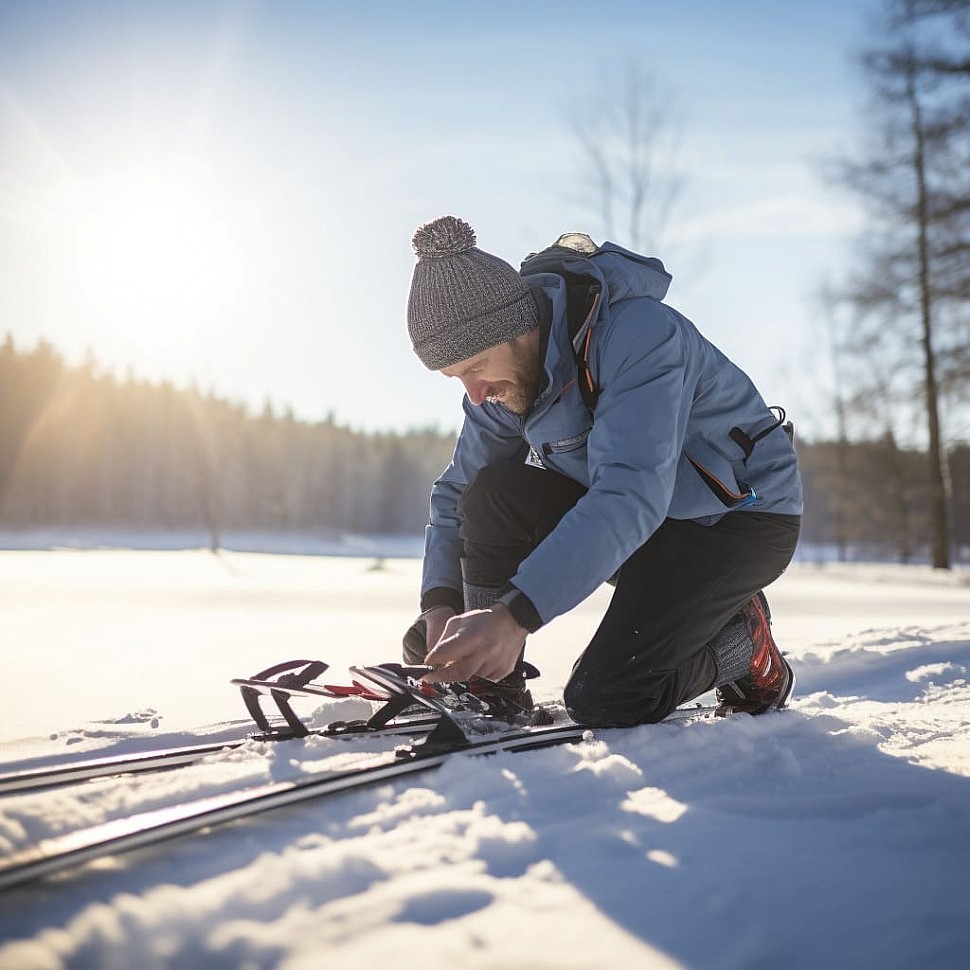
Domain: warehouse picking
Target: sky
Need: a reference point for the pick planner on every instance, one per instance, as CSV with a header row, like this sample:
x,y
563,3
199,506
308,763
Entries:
x,y
225,192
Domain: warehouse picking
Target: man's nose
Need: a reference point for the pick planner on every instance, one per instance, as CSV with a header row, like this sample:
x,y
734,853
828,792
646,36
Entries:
x,y
476,390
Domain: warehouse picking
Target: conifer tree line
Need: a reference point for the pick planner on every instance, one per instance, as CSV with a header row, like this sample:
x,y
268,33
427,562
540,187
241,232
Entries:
x,y
80,447
869,498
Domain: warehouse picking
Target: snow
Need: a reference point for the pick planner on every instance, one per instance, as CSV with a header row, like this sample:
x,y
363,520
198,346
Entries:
x,y
834,834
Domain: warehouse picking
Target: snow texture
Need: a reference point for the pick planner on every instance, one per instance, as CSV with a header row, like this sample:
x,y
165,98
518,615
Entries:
x,y
835,834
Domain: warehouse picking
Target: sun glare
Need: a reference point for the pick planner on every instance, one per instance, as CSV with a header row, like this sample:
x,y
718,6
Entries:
x,y
154,252
141,249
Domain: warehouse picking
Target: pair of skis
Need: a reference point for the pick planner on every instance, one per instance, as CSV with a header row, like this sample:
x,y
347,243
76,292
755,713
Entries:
x,y
441,722
281,682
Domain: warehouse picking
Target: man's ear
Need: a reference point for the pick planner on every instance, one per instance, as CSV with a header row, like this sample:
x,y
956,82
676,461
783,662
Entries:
x,y
530,339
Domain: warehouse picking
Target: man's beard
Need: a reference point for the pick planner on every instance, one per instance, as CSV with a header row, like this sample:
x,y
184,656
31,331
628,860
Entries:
x,y
520,394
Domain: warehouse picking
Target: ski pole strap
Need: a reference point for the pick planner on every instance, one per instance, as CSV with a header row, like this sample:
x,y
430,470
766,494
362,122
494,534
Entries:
x,y
746,443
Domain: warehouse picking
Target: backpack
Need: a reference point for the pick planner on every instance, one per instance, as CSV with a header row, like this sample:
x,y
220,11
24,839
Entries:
x,y
582,301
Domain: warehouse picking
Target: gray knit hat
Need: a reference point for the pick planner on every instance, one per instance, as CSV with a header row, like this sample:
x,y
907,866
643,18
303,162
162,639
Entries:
x,y
463,300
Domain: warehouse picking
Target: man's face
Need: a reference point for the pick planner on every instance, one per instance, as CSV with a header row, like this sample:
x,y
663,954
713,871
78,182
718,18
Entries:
x,y
510,374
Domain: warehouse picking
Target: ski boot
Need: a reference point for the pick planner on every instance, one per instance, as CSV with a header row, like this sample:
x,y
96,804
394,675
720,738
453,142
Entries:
x,y
509,699
770,680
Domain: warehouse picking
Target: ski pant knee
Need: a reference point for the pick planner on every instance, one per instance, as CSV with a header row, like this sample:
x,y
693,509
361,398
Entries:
x,y
599,699
652,651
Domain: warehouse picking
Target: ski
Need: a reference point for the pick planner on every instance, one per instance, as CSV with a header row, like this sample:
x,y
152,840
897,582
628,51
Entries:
x,y
44,777
456,721
268,682
280,682
52,776
28,780
67,851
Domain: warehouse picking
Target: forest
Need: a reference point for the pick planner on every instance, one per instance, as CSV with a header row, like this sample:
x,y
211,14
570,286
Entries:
x,y
82,448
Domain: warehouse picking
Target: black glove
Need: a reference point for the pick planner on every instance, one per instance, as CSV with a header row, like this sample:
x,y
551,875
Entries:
x,y
416,642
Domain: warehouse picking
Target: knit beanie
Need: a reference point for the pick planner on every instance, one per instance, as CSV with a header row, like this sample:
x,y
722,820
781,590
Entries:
x,y
463,300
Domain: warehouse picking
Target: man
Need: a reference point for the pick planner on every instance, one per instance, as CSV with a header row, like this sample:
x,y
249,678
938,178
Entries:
x,y
604,439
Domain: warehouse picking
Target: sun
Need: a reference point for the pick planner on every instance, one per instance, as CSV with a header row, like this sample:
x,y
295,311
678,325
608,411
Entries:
x,y
155,252
146,249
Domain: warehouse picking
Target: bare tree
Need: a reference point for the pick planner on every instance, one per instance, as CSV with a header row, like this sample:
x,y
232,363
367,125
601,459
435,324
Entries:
x,y
913,281
947,62
628,131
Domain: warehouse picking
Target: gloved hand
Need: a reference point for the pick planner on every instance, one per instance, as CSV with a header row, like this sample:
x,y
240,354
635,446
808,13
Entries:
x,y
425,632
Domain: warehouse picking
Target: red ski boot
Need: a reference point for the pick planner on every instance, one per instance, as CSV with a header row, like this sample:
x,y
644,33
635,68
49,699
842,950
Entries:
x,y
768,684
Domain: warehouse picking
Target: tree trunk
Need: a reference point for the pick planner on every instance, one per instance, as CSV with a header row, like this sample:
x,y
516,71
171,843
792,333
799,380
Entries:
x,y
938,498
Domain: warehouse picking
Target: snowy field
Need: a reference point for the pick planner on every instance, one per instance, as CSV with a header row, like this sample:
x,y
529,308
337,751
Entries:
x,y
836,834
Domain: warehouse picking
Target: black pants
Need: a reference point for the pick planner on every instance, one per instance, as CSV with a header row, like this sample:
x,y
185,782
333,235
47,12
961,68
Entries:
x,y
673,595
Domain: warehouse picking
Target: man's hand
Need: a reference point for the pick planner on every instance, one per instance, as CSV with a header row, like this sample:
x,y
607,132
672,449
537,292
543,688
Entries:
x,y
424,633
435,620
483,643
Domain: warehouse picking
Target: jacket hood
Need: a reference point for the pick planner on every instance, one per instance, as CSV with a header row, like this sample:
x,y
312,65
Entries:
x,y
623,274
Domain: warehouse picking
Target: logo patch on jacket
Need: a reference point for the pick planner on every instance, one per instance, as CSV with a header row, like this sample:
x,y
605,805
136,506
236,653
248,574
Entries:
x,y
533,458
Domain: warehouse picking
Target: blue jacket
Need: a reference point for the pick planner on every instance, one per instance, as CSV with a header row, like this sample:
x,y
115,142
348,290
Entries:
x,y
658,437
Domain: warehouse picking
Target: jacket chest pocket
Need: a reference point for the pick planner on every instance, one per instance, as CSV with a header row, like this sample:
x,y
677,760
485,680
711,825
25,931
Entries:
x,y
563,445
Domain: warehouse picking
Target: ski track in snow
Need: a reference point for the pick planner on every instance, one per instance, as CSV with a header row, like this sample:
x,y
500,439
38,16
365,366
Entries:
x,y
835,834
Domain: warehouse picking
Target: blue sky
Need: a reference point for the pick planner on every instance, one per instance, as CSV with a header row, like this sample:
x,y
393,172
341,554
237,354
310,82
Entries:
x,y
226,191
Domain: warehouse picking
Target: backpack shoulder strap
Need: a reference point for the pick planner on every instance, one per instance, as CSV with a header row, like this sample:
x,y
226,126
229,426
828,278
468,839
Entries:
x,y
582,302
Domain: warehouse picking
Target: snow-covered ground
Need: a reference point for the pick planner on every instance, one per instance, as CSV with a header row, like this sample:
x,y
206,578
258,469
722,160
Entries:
x,y
836,834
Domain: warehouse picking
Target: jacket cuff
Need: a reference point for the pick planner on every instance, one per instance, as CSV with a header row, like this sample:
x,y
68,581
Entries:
x,y
520,606
443,596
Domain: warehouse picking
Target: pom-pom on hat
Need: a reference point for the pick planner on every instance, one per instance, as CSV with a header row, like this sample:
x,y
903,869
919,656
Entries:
x,y
463,300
